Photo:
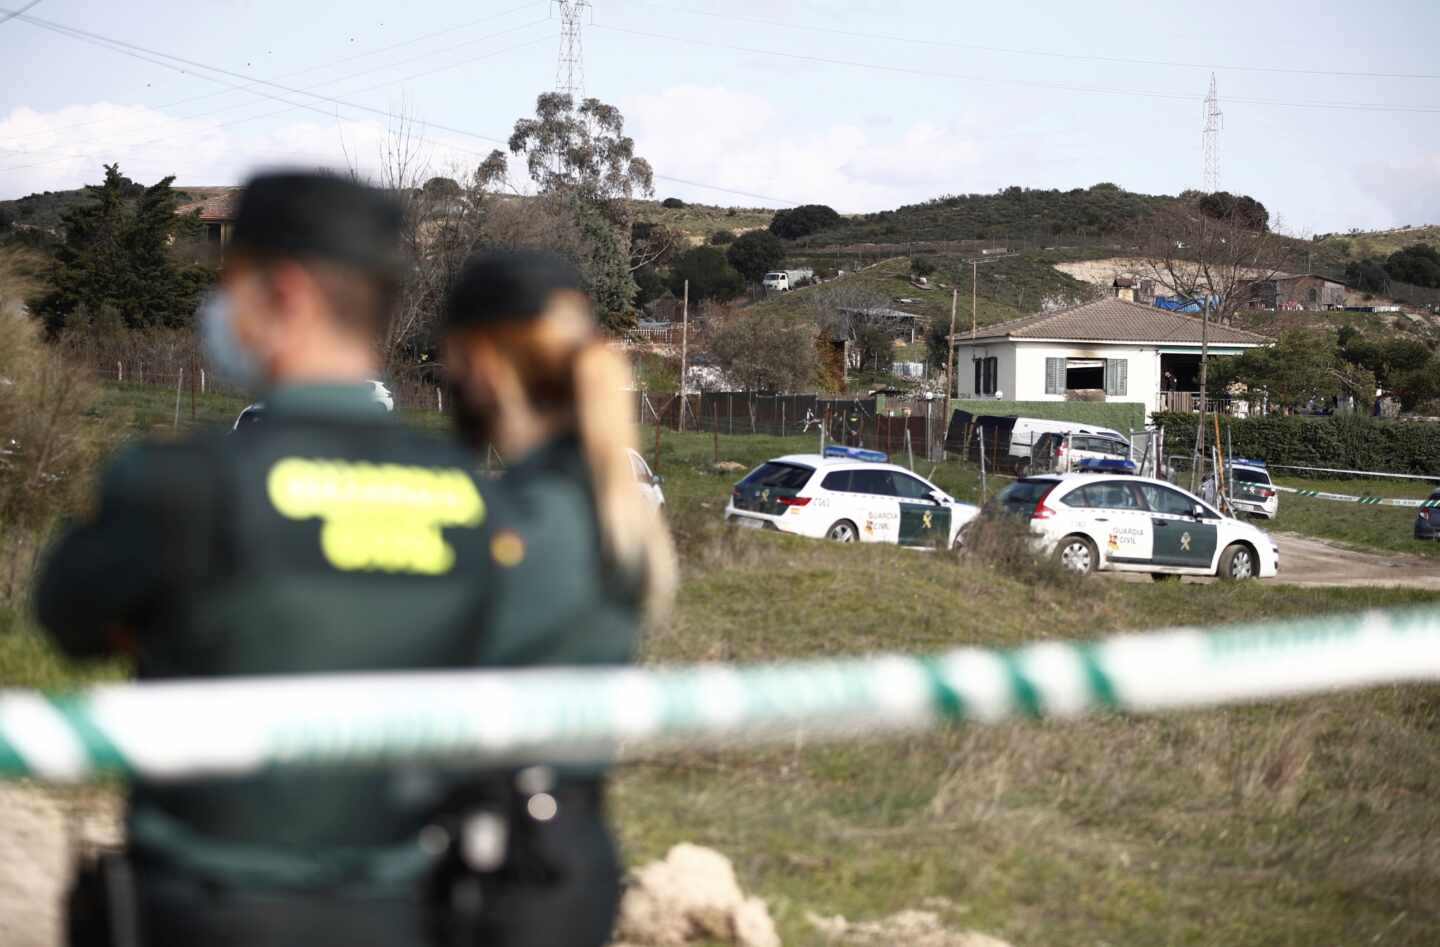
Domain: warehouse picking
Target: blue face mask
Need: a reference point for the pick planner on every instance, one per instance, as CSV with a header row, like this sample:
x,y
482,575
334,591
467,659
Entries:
x,y
224,353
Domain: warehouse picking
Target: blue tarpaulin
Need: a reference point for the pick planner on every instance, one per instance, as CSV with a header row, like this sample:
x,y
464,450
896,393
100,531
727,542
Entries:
x,y
1176,304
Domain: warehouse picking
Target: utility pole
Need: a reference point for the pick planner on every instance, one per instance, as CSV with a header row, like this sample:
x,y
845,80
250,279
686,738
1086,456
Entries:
x,y
570,66
1200,417
684,352
974,282
951,387
1210,140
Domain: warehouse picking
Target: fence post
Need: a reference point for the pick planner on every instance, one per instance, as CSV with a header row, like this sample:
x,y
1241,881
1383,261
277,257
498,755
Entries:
x,y
715,432
202,381
439,401
179,379
119,371
909,451
655,460
782,419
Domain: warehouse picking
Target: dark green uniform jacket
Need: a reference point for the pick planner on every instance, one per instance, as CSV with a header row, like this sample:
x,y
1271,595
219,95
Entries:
x,y
565,603
328,538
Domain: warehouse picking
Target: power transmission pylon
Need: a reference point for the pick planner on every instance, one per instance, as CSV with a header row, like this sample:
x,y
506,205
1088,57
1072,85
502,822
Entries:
x,y
570,69
1214,121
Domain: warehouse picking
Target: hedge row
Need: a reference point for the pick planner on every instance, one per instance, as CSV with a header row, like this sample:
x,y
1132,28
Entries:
x,y
1120,416
1351,442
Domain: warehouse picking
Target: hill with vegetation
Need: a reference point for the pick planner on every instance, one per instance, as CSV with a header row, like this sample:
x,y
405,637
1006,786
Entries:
x,y
1024,216
699,222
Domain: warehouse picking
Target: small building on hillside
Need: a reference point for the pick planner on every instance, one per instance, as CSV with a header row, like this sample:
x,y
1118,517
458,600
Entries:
x,y
215,208
1296,292
1110,350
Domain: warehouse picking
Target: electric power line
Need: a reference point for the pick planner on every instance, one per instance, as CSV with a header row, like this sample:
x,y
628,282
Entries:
x,y
1053,54
150,55
345,78
329,65
291,106
992,80
14,13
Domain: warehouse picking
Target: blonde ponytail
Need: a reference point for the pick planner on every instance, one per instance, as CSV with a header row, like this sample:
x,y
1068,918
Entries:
x,y
632,531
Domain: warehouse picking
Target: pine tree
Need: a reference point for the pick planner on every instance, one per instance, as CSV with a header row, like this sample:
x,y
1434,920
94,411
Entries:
x,y
116,254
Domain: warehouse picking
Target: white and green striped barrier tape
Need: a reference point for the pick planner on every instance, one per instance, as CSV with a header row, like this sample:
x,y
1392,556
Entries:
x,y
167,731
1362,500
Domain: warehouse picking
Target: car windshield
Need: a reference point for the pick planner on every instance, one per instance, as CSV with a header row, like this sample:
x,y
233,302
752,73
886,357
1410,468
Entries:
x,y
1245,475
1022,495
785,476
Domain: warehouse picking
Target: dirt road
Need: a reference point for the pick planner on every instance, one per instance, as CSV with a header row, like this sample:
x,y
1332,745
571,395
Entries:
x,y
1305,560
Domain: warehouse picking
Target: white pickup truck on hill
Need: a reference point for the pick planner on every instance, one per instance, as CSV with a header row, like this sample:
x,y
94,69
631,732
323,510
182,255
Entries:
x,y
785,280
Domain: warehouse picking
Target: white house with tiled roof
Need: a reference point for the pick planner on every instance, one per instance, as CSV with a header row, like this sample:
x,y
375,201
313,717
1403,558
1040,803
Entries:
x,y
1111,350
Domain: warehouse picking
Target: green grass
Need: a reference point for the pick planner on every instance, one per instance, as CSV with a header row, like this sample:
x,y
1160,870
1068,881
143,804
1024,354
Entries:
x,y
886,283
699,221
1385,528
1300,823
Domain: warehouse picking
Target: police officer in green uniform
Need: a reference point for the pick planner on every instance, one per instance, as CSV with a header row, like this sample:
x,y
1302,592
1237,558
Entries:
x,y
534,379
328,538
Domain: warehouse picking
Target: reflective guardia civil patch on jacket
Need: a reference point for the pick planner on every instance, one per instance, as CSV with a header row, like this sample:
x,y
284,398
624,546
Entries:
x,y
382,517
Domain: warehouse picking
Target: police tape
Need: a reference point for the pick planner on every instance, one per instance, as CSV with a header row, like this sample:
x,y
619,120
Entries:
x,y
1359,473
1362,500
179,730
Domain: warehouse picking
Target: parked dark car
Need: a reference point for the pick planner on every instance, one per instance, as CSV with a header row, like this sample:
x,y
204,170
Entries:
x,y
1427,521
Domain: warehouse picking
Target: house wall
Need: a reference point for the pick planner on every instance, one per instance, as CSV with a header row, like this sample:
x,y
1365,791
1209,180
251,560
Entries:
x,y
1022,367
1003,352
1143,370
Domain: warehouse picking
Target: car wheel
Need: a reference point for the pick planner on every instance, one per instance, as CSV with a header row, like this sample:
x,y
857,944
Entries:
x,y
1164,577
1076,554
843,532
1238,563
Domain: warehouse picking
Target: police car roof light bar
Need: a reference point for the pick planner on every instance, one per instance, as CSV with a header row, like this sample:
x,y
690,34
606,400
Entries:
x,y
1107,466
1247,462
856,453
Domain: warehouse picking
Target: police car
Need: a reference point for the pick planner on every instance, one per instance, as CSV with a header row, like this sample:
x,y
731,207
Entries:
x,y
255,413
1251,489
848,495
1104,522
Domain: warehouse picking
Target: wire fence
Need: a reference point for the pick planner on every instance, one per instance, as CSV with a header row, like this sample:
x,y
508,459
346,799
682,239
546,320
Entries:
x,y
898,426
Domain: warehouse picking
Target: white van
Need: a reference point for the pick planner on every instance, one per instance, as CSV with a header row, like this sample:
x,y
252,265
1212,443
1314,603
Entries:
x,y
1027,432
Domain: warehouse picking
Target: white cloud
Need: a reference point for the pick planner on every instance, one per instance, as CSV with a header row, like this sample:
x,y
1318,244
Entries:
x,y
1404,190
65,148
735,140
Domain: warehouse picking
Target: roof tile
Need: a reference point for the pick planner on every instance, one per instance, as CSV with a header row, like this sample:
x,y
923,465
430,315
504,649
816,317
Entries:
x,y
1113,320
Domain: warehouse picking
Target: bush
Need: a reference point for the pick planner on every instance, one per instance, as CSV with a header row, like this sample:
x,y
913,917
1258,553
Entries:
x,y
1120,416
1350,442
756,253
674,203
711,276
802,221
1006,543
721,237
48,447
922,266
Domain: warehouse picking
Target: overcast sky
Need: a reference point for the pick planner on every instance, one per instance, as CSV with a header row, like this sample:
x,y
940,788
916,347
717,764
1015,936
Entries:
x,y
861,105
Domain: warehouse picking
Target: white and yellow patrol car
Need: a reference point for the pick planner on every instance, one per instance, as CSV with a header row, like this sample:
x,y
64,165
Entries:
x,y
848,495
1100,522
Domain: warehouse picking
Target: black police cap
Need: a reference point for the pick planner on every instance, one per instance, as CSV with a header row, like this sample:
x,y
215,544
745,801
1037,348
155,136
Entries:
x,y
508,286
306,215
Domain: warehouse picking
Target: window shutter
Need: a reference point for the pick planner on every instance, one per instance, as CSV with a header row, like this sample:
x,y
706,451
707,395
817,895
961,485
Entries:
x,y
979,364
1054,376
1117,371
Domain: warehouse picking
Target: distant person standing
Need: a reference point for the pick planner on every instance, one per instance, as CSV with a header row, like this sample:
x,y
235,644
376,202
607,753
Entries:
x,y
327,538
535,379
